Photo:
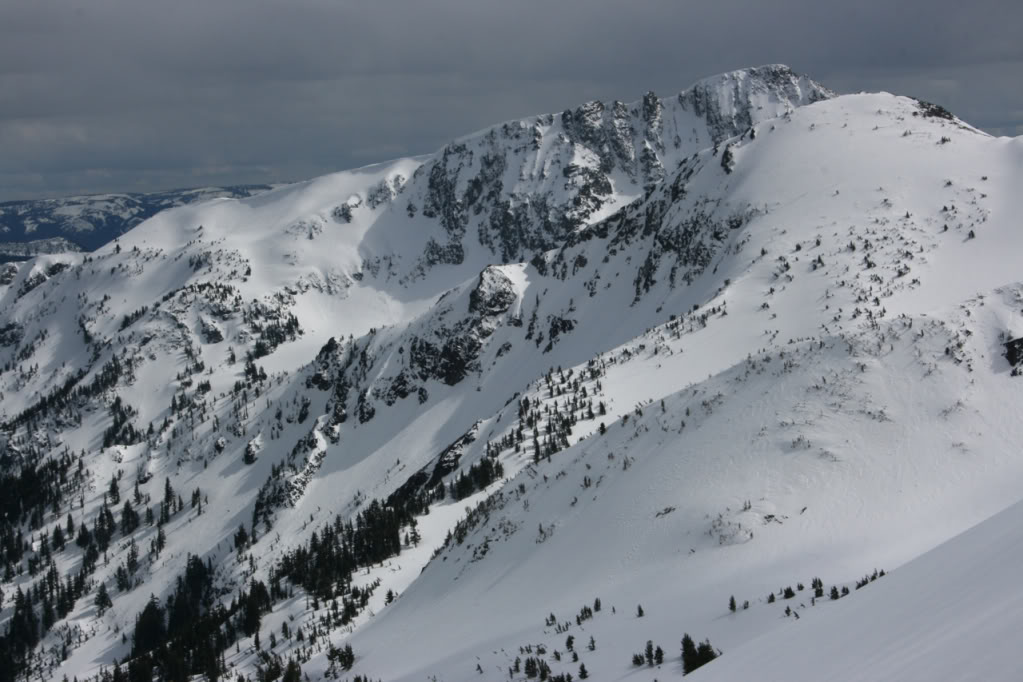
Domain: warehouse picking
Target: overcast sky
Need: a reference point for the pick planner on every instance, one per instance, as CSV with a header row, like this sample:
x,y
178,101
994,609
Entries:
x,y
139,95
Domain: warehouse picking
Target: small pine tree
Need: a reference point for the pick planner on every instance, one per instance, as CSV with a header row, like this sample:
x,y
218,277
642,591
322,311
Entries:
x,y
102,601
688,654
731,603
705,653
293,673
530,668
770,598
658,655
583,672
113,492
834,592
639,611
694,656
648,653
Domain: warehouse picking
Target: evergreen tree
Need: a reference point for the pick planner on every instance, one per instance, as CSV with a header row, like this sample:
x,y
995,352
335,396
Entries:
x,y
347,658
113,492
129,519
705,653
102,601
150,630
530,668
293,673
583,672
731,604
689,655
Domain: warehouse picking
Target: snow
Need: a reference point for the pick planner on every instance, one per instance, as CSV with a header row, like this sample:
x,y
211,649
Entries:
x,y
952,614
801,375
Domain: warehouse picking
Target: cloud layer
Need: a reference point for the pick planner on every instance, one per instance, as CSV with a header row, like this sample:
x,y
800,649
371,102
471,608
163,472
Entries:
x,y
138,95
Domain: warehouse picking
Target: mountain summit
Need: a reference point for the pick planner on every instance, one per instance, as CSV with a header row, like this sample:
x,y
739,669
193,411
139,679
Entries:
x,y
535,405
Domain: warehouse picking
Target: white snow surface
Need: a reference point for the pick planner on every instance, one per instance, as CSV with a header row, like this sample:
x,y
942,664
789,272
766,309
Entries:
x,y
951,614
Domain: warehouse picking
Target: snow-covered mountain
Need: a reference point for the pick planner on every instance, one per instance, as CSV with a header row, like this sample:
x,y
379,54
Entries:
x,y
92,220
24,250
582,376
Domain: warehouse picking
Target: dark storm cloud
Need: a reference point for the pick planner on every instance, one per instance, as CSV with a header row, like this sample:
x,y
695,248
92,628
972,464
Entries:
x,y
99,95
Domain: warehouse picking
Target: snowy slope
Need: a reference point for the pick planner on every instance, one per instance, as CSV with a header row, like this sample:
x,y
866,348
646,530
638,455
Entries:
x,y
844,469
92,220
952,613
784,310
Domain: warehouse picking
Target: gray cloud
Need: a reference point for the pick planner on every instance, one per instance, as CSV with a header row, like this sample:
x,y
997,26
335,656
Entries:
x,y
101,95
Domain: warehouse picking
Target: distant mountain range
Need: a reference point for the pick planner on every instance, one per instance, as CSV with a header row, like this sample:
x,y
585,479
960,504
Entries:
x,y
92,220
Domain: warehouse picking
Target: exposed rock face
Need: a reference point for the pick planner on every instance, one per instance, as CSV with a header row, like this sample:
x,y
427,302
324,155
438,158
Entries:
x,y
525,186
493,295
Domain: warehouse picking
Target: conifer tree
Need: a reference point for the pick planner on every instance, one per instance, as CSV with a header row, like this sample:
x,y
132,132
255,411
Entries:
x,y
293,673
688,654
102,600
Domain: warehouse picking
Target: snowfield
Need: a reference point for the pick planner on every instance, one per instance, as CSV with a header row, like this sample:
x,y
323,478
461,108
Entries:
x,y
649,356
916,625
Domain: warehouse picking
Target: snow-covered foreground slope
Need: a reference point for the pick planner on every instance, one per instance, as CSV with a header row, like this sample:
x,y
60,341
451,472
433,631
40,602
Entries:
x,y
951,614
662,353
807,461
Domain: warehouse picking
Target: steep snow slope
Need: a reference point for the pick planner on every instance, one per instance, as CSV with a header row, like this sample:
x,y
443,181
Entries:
x,y
870,509
849,457
952,613
779,318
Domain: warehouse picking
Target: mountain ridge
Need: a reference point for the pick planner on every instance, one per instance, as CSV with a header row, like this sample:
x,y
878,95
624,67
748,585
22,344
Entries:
x,y
711,372
89,221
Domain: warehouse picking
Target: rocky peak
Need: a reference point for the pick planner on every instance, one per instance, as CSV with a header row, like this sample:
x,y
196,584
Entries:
x,y
522,186
493,294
